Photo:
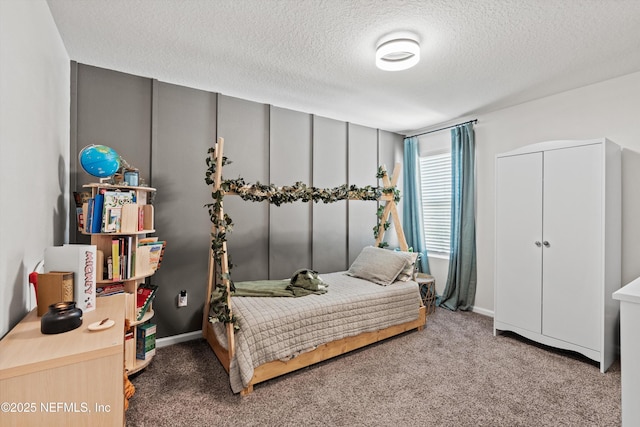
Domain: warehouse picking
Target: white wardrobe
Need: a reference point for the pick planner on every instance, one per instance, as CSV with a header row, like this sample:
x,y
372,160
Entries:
x,y
558,245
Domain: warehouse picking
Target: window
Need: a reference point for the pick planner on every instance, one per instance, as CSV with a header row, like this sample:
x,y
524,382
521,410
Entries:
x,y
435,184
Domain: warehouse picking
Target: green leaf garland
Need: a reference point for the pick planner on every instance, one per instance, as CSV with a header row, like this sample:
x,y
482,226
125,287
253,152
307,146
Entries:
x,y
277,196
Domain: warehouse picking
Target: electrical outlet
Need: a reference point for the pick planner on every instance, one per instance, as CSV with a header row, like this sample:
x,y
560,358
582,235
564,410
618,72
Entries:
x,y
182,299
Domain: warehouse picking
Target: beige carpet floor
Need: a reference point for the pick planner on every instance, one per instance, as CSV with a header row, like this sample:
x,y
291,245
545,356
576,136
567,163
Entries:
x,y
453,373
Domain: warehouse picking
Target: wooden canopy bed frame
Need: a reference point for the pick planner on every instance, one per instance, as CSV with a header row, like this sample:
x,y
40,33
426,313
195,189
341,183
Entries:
x,y
322,352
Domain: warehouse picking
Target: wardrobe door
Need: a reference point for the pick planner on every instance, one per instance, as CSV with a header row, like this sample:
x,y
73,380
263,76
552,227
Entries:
x,y
518,241
573,258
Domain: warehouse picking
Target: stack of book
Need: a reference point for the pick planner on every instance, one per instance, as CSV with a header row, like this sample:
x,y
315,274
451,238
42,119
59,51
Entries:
x,y
115,212
126,261
104,290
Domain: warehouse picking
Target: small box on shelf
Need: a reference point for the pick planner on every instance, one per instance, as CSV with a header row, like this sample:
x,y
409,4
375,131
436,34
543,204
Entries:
x,y
53,287
81,260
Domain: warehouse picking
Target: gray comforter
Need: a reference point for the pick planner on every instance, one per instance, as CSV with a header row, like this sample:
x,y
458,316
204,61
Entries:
x,y
279,328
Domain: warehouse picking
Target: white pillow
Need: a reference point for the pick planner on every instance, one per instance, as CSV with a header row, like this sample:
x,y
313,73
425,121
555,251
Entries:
x,y
377,265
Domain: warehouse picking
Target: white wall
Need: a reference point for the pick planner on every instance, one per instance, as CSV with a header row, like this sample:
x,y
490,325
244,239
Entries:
x,y
34,148
608,109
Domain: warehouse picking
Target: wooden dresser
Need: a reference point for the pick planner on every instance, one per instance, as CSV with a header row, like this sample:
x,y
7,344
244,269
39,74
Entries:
x,y
70,379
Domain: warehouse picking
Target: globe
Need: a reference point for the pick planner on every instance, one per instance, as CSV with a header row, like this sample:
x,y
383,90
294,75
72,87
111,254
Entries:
x,y
99,160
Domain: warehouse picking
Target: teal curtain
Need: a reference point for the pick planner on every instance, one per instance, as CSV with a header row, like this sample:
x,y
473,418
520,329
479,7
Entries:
x,y
460,291
412,203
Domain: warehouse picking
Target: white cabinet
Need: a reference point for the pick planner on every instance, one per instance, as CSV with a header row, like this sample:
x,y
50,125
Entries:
x,y
558,245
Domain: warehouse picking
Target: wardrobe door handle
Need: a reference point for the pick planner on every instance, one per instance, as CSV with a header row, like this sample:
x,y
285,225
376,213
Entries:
x,y
538,244
546,244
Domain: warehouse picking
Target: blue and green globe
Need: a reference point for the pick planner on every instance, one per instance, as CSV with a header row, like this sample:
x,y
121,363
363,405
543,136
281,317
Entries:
x,y
99,160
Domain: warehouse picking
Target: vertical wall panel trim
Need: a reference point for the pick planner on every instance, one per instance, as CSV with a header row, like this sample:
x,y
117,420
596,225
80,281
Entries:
x,y
379,181
73,150
216,117
311,183
269,182
346,129
216,120
154,128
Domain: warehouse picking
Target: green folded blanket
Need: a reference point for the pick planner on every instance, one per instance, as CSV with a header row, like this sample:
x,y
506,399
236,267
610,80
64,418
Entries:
x,y
303,282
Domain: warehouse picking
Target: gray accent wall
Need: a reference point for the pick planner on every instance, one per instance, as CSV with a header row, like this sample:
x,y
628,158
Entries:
x,y
289,162
244,125
362,171
165,131
112,109
329,240
185,128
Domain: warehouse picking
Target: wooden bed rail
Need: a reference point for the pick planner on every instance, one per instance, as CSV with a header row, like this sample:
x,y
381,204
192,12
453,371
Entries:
x,y
323,352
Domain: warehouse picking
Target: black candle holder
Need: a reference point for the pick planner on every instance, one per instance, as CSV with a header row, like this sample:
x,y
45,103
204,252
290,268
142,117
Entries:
x,y
61,317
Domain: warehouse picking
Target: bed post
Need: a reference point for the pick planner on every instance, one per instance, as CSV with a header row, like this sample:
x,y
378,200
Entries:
x,y
391,209
224,262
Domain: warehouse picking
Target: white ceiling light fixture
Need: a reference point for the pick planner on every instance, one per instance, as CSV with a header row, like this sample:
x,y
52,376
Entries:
x,y
397,53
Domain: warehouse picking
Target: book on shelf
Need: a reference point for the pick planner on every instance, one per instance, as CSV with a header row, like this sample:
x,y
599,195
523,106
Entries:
x,y
128,256
89,216
112,220
96,217
145,295
146,341
105,290
112,209
80,217
121,263
147,240
145,218
141,218
85,213
149,255
115,259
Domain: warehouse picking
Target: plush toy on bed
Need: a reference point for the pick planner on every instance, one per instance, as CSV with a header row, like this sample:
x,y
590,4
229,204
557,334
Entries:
x,y
308,279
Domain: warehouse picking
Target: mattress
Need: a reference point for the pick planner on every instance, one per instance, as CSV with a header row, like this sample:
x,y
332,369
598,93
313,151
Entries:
x,y
279,328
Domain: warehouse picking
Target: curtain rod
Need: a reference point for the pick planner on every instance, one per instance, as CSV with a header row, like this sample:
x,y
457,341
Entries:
x,y
444,128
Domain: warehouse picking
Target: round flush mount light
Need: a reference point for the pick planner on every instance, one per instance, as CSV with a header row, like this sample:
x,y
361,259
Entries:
x,y
397,54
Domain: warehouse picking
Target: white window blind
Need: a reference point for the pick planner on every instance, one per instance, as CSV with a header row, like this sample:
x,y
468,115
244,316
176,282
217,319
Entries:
x,y
435,183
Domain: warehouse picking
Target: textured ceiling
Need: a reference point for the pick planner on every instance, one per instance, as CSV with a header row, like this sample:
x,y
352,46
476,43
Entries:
x,y
317,56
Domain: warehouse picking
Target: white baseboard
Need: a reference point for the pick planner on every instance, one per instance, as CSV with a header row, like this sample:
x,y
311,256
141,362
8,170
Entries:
x,y
483,311
175,339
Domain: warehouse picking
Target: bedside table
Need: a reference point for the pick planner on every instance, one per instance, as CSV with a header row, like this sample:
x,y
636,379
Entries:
x,y
427,285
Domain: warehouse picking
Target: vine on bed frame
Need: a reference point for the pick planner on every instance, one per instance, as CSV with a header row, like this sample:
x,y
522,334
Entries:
x,y
275,195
